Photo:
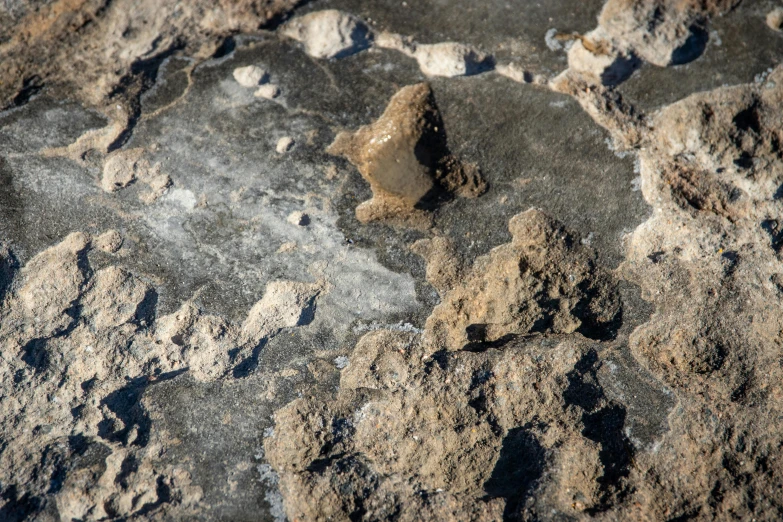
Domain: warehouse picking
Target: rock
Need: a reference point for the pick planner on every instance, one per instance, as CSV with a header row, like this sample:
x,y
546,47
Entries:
x,y
404,157
120,169
110,241
329,33
449,59
775,19
299,218
284,144
250,76
268,91
562,300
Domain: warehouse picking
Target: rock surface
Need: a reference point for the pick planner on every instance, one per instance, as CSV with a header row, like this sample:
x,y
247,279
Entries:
x,y
373,260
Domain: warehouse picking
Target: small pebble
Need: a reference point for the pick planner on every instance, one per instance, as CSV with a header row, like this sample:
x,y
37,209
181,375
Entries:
x,y
775,19
284,144
109,242
341,362
250,76
299,218
268,91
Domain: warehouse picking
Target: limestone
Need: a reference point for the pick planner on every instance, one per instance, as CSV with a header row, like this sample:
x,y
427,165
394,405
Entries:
x,y
83,344
250,76
197,324
110,241
284,144
329,34
405,159
120,170
445,59
775,19
269,91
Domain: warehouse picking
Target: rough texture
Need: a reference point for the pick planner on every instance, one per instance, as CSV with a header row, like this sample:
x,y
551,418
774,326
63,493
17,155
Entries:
x,y
79,349
196,326
404,157
329,34
540,282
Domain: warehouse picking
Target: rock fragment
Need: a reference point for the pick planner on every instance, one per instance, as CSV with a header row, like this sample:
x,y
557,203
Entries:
x,y
450,59
775,19
84,345
543,281
269,91
405,159
284,144
120,169
124,167
708,259
285,304
425,412
446,59
109,242
329,33
629,32
299,218
250,76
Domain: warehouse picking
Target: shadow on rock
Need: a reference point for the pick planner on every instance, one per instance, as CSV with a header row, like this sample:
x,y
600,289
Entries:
x,y
517,471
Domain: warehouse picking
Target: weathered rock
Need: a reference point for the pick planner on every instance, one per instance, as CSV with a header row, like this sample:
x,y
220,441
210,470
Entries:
x,y
405,159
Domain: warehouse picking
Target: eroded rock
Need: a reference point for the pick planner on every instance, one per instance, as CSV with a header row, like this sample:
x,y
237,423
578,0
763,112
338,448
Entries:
x,y
543,281
405,159
81,347
329,33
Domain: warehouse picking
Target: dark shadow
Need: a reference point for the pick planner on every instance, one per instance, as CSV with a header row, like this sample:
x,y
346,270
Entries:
x,y
142,76
485,65
693,47
620,70
432,152
31,86
603,423
745,160
440,358
18,507
250,363
163,492
477,339
775,231
605,427
145,311
35,353
125,403
226,47
583,389
362,39
519,467
748,119
591,327
81,452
